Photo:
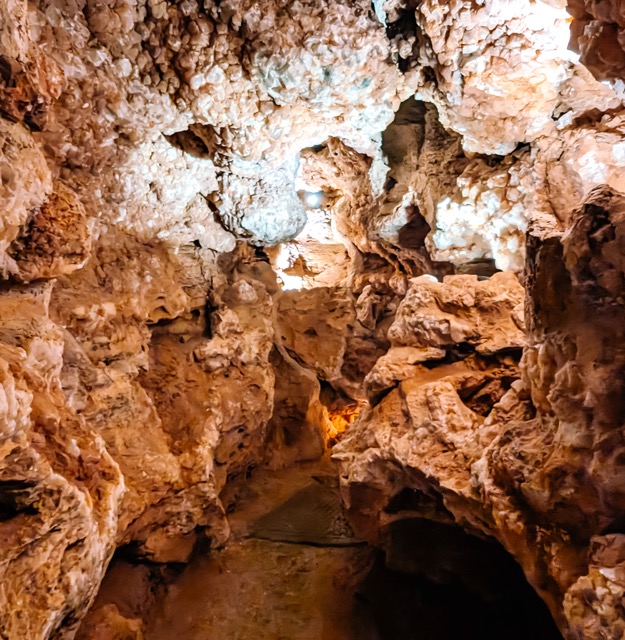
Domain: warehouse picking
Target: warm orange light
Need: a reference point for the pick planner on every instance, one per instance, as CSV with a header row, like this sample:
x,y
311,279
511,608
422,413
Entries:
x,y
343,417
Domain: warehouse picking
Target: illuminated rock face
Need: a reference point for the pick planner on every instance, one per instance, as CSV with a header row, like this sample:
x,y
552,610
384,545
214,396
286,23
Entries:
x,y
541,470
168,286
479,56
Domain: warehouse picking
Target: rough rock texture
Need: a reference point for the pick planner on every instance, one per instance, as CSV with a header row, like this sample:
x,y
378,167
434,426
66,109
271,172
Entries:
x,y
61,489
597,33
507,62
56,241
155,158
334,334
300,420
444,321
541,472
487,70
177,410
131,134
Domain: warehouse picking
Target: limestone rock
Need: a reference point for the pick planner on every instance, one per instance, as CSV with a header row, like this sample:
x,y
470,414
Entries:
x,y
320,330
61,490
597,33
368,232
437,323
314,328
74,398
317,256
299,426
422,436
461,310
489,69
150,153
580,160
26,184
118,374
55,241
540,473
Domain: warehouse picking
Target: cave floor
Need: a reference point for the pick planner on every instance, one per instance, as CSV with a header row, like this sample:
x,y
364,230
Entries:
x,y
325,585
268,589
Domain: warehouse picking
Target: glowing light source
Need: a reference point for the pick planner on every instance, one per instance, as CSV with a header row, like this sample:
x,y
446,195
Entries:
x,y
314,199
287,255
341,418
291,283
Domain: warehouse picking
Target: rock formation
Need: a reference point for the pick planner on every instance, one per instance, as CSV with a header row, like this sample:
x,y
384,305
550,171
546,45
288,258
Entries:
x,y
541,470
228,227
597,33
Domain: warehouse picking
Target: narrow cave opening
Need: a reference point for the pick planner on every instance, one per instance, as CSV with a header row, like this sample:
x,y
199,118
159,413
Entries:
x,y
342,410
436,582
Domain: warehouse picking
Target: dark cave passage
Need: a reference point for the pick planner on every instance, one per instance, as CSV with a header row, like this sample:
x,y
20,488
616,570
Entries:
x,y
438,583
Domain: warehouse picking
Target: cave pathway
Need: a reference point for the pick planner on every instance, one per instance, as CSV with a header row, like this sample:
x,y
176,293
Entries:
x,y
293,570
268,589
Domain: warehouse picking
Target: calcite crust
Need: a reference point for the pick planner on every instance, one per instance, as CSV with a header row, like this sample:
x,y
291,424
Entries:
x,y
174,311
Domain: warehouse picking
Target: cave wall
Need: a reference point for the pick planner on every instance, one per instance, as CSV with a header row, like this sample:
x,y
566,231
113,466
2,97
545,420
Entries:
x,y
153,158
541,470
597,34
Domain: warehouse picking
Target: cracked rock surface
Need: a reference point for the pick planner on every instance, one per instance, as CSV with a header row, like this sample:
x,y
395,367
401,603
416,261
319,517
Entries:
x,y
229,227
540,471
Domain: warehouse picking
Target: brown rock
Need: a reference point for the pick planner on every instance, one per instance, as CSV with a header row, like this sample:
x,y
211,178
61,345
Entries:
x,y
55,241
541,473
143,144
